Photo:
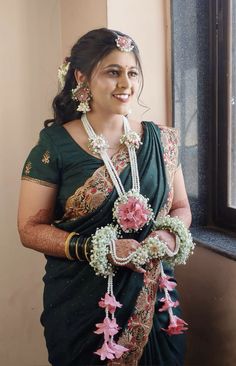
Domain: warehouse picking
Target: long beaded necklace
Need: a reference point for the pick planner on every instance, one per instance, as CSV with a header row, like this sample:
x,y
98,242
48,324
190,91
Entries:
x,y
131,210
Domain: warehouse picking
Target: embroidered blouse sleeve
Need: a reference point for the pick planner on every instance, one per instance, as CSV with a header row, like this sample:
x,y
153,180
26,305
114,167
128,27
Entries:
x,y
170,142
43,163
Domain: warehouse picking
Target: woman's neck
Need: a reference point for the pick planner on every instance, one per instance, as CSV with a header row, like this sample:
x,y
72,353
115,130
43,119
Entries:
x,y
102,123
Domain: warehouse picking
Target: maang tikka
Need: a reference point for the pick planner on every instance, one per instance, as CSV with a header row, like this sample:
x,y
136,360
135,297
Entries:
x,y
82,95
124,43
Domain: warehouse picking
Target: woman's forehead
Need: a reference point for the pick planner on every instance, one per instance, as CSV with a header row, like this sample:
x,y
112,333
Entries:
x,y
116,57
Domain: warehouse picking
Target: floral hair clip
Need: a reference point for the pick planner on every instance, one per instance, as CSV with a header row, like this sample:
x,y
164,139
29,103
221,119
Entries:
x,y
124,43
62,71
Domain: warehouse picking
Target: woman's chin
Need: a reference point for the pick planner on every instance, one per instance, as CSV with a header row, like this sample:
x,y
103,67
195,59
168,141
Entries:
x,y
123,110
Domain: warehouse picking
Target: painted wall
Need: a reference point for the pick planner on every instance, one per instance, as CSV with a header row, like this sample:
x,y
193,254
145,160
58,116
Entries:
x,y
30,53
78,17
148,23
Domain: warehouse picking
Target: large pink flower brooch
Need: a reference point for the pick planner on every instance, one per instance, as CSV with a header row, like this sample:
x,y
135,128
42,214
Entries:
x,y
132,211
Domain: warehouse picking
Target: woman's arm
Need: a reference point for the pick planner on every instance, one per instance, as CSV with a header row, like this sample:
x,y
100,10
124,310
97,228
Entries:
x,y
35,215
180,207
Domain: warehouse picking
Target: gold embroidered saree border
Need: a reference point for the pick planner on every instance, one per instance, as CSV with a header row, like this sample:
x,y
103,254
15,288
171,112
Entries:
x,y
135,336
95,190
39,181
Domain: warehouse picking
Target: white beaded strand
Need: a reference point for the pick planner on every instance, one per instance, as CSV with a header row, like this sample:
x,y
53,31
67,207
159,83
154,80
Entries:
x,y
132,158
122,261
108,163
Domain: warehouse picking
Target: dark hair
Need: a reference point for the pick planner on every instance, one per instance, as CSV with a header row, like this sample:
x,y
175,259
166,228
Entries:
x,y
85,55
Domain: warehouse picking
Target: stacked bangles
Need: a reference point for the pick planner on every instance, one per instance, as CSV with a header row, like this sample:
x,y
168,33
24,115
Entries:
x,y
77,247
95,249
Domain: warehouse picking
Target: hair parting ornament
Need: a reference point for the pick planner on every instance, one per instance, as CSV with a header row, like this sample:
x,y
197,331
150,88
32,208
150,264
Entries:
x,y
124,43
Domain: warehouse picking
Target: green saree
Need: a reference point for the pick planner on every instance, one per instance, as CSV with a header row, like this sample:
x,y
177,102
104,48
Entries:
x,y
84,202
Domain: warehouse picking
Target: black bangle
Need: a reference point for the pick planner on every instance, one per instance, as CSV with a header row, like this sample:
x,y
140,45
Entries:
x,y
87,248
80,248
72,246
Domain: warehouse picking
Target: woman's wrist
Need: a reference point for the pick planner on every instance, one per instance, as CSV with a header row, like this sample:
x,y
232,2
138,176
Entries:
x,y
184,243
77,247
166,236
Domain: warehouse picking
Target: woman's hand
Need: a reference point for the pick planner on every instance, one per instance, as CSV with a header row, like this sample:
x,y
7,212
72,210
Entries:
x,y
124,247
166,236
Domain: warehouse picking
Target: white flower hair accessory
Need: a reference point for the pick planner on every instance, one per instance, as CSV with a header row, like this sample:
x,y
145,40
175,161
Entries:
x,y
62,72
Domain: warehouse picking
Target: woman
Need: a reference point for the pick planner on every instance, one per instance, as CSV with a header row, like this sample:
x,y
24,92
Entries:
x,y
74,183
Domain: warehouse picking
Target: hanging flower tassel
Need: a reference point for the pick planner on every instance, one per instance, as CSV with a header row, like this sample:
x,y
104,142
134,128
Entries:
x,y
176,324
109,327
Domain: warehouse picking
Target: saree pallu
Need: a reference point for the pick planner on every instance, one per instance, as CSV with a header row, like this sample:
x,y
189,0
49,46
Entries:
x,y
72,290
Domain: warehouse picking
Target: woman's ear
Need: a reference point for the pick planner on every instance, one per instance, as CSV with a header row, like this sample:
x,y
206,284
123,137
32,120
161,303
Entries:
x,y
79,77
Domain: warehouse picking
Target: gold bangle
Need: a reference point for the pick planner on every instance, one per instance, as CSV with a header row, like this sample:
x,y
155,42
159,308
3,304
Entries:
x,y
85,249
76,252
67,243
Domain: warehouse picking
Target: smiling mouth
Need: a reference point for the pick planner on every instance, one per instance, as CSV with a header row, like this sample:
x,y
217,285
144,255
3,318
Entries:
x,y
121,97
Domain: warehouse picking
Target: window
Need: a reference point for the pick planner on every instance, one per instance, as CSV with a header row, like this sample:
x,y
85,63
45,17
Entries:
x,y
204,102
224,117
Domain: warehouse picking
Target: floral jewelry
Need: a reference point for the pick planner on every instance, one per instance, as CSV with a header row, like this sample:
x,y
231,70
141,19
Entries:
x,y
184,238
124,43
131,210
110,349
102,241
100,249
62,72
132,139
82,95
176,324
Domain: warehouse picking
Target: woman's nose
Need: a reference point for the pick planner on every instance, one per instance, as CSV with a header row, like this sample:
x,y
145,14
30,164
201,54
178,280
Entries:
x,y
124,81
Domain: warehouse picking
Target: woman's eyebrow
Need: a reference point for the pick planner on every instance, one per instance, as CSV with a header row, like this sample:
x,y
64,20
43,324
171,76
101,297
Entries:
x,y
119,66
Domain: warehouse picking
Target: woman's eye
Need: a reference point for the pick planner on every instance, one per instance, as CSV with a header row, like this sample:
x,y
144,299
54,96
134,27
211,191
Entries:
x,y
113,72
133,74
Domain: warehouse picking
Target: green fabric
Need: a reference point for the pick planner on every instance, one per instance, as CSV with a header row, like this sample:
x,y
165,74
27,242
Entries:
x,y
72,290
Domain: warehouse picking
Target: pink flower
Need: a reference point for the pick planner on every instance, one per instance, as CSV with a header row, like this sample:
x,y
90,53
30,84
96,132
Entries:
x,y
165,283
124,43
83,94
108,327
133,214
105,352
110,303
168,303
176,326
117,349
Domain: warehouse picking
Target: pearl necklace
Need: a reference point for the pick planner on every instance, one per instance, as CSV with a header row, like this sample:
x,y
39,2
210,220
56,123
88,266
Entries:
x,y
98,144
131,209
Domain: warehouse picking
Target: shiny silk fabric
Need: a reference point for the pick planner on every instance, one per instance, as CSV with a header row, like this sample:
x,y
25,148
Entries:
x,y
72,290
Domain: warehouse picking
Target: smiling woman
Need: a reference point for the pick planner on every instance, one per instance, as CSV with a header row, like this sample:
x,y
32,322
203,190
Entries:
x,y
103,197
114,84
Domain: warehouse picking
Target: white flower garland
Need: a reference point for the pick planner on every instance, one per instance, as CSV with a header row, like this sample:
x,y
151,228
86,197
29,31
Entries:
x,y
100,249
152,248
184,238
62,72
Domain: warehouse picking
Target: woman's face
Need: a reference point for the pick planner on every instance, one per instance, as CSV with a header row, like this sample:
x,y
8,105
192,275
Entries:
x,y
114,83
